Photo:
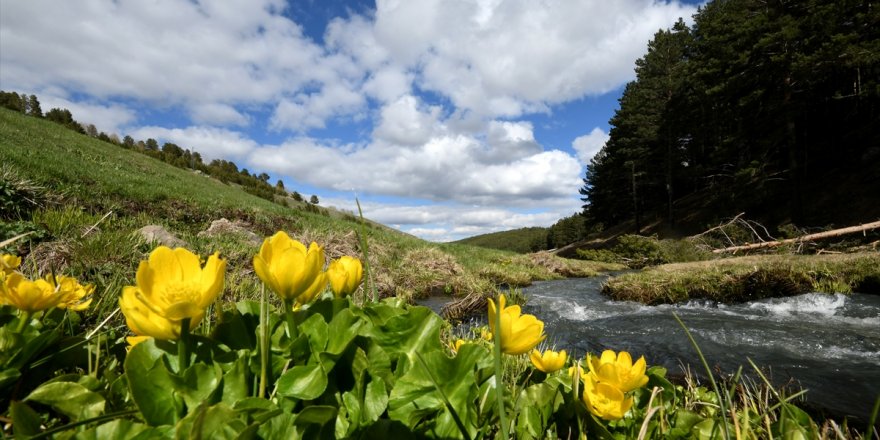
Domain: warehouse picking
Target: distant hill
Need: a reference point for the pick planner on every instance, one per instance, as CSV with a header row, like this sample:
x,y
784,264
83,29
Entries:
x,y
523,240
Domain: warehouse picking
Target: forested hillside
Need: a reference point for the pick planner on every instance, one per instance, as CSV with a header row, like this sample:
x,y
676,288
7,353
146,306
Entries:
x,y
769,108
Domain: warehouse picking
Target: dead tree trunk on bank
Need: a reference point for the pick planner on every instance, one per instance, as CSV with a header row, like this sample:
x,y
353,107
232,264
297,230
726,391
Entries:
x,y
801,239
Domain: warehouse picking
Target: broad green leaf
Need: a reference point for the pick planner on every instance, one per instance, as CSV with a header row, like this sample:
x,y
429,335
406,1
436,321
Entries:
x,y
304,382
342,330
210,422
535,407
25,421
315,415
417,399
379,364
198,383
151,385
686,419
352,413
315,329
375,401
235,381
259,410
281,427
416,330
69,398
236,328
117,429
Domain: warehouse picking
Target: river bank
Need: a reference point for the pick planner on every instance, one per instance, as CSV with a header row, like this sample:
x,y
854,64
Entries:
x,y
739,279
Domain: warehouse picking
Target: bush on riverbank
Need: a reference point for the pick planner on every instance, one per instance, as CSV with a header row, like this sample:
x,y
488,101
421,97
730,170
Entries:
x,y
636,251
749,278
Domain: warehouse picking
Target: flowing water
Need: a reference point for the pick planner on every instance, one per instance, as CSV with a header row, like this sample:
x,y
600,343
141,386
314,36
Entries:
x,y
829,344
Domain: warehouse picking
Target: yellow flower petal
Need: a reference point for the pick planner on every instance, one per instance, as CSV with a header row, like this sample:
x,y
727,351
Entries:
x,y
519,333
549,361
289,269
171,286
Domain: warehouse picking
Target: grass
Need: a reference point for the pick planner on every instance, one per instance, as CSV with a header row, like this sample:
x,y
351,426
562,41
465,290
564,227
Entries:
x,y
94,196
748,278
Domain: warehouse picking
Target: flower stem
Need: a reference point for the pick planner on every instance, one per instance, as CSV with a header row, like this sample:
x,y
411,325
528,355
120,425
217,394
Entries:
x,y
25,318
264,342
499,377
183,345
288,314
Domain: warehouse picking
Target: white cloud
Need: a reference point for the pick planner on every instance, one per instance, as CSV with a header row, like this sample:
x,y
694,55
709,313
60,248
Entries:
x,y
402,122
504,58
109,118
218,114
589,144
210,142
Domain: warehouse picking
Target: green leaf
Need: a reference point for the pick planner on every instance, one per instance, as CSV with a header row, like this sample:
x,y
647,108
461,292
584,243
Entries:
x,y
235,381
237,328
210,422
8,377
305,382
535,407
342,330
315,329
315,415
416,330
417,399
25,421
69,398
118,429
280,426
198,383
151,384
375,401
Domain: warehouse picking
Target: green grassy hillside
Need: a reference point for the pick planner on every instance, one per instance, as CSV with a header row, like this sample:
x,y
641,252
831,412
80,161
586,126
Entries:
x,y
521,240
58,184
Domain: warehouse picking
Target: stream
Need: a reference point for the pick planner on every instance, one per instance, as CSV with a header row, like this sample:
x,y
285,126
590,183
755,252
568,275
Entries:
x,y
827,344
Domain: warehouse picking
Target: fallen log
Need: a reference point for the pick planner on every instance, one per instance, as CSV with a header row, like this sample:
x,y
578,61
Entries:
x,y
801,239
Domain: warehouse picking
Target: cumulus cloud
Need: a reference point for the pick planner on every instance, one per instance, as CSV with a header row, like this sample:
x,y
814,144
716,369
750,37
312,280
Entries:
x,y
589,144
447,166
504,58
109,118
210,142
451,223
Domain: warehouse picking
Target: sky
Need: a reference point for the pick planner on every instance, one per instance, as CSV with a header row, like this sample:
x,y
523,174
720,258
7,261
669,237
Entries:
x,y
445,118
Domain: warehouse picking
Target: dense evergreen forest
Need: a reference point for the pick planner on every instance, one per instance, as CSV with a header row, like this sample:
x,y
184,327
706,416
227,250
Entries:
x,y
766,107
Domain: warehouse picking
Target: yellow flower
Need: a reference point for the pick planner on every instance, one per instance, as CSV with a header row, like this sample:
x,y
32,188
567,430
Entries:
x,y
604,400
289,269
580,371
618,370
485,333
29,296
549,361
345,275
8,263
171,286
519,333
73,293
134,340
456,345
